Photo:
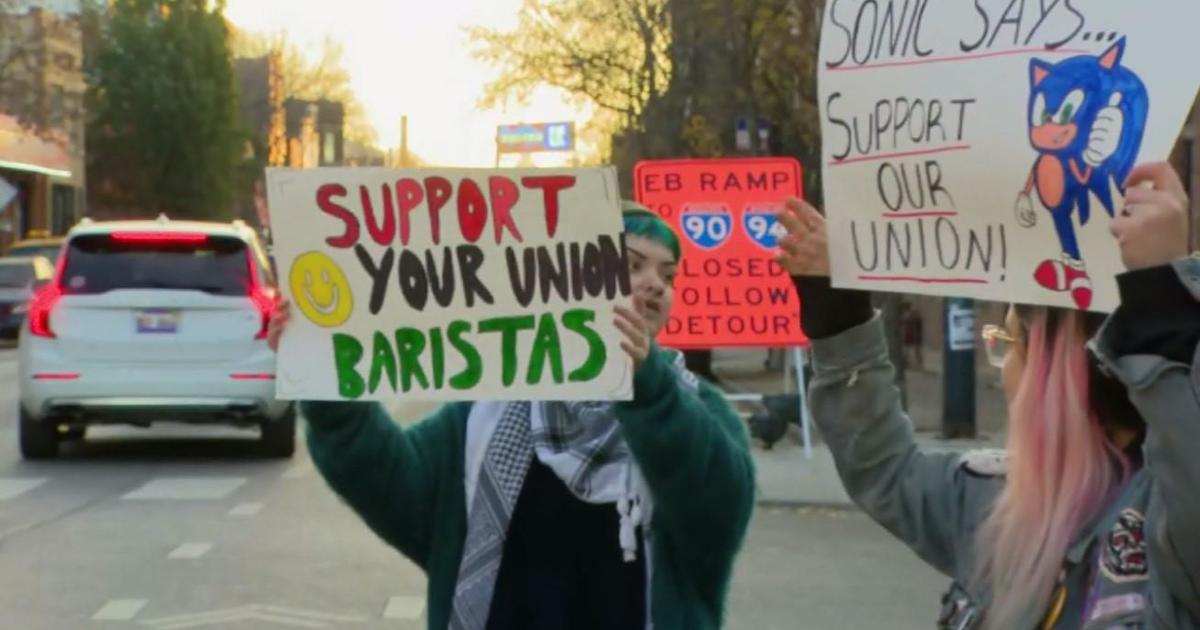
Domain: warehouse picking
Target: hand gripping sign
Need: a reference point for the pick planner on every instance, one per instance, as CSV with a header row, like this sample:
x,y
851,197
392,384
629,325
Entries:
x,y
450,284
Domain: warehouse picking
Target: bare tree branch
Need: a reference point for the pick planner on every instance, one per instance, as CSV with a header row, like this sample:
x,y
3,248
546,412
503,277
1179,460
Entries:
x,y
612,53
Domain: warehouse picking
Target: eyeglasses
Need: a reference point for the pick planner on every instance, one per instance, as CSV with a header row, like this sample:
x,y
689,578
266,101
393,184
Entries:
x,y
997,342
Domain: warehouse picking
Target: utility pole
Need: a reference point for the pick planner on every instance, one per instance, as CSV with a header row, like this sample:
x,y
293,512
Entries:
x,y
958,370
404,141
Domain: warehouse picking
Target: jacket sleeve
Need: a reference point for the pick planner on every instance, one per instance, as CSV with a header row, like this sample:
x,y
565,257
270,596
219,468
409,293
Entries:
x,y
1152,345
930,501
695,456
389,475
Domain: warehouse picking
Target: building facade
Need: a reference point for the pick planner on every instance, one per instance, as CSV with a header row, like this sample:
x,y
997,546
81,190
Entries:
x,y
285,132
41,118
315,133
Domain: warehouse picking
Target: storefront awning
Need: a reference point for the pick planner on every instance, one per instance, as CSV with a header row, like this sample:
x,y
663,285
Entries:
x,y
23,150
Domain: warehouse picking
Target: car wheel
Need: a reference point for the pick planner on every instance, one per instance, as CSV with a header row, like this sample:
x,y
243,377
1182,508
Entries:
x,y
39,440
279,436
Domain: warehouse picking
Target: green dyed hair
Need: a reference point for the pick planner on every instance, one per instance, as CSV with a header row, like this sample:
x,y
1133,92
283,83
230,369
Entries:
x,y
640,221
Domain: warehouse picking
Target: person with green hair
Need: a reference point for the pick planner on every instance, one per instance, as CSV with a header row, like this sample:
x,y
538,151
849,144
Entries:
x,y
561,515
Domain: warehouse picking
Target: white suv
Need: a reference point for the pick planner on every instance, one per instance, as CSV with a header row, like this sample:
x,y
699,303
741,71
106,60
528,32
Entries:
x,y
149,321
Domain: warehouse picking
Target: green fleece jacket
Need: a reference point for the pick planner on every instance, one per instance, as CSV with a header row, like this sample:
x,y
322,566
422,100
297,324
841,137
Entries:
x,y
408,485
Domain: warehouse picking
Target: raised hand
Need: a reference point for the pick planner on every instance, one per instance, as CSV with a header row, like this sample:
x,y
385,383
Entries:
x,y
279,320
1152,228
636,330
804,251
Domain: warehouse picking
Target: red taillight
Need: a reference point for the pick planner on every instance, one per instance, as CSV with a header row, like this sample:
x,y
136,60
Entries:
x,y
56,376
40,307
252,376
160,238
264,300
263,296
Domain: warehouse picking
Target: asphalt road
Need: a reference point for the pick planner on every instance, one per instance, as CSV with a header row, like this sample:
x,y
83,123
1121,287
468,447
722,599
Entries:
x,y
179,527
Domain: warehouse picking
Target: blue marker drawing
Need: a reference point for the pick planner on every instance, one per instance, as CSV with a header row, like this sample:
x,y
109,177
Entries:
x,y
1087,117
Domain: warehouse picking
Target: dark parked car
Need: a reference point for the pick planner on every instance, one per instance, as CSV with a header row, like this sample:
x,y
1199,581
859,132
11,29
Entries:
x,y
45,247
19,278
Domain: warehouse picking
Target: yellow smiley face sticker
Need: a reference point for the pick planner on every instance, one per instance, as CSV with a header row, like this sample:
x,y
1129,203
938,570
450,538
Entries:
x,y
321,290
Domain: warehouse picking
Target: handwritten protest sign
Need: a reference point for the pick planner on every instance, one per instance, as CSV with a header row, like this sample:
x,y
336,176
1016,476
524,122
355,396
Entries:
x,y
729,291
450,284
980,148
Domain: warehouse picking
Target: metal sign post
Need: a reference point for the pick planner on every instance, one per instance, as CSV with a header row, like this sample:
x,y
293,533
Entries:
x,y
805,415
799,355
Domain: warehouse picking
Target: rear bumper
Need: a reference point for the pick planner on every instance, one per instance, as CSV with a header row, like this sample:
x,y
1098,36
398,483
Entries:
x,y
147,410
234,392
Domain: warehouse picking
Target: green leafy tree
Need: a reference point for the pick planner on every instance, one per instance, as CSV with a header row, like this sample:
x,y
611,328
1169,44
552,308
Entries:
x,y
164,134
752,59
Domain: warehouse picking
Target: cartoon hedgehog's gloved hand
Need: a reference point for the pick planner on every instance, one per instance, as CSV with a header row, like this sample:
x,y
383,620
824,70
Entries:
x,y
1026,217
1106,133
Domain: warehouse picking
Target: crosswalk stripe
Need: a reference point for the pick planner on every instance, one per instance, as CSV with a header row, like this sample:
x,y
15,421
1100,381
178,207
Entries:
x,y
12,487
119,610
190,551
299,471
402,607
187,488
246,509
278,615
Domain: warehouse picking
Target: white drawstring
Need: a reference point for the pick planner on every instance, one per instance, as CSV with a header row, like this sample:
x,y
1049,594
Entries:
x,y
629,507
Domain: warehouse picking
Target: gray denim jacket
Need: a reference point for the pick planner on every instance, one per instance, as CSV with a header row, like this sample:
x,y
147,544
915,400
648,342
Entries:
x,y
1144,550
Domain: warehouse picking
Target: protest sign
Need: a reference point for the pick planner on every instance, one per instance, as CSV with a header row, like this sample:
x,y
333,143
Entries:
x,y
729,291
980,148
450,284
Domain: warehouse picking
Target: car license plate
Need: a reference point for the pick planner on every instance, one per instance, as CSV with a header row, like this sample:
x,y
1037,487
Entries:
x,y
158,321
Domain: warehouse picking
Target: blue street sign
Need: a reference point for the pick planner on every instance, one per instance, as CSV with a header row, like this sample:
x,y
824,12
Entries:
x,y
535,137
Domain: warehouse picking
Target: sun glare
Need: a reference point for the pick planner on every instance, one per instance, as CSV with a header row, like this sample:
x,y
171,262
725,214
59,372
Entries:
x,y
414,60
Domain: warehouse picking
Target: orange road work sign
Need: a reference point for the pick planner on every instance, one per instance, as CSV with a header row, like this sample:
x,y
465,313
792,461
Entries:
x,y
729,290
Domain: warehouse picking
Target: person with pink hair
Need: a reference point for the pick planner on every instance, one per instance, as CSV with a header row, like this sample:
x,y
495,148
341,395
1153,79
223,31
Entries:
x,y
1090,519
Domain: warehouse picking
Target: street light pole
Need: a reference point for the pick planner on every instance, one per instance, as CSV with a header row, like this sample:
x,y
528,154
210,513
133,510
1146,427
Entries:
x,y
404,141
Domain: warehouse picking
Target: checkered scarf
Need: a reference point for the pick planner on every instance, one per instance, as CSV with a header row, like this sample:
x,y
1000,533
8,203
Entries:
x,y
583,444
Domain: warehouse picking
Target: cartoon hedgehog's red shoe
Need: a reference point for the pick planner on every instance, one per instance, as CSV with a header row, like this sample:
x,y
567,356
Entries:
x,y
1067,274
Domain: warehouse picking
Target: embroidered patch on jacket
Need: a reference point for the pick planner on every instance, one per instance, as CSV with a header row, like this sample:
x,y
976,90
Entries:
x,y
986,462
1116,606
1123,558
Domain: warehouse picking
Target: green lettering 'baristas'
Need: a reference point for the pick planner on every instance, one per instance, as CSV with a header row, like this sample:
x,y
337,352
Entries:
x,y
641,222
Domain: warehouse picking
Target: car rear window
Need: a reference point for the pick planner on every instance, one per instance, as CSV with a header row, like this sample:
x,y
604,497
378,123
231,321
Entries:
x,y
100,263
15,276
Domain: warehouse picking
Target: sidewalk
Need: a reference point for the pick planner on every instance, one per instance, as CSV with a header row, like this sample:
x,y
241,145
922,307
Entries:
x,y
743,371
787,478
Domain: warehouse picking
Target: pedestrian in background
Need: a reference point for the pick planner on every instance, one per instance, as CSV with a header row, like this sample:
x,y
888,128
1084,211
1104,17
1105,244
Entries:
x,y
913,326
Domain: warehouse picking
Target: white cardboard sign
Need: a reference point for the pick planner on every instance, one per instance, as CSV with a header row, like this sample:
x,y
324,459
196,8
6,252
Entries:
x,y
450,284
979,148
